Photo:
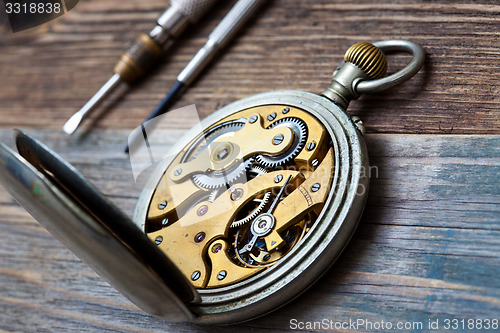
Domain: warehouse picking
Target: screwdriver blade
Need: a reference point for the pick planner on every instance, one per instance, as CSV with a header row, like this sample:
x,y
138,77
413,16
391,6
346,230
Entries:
x,y
75,120
72,123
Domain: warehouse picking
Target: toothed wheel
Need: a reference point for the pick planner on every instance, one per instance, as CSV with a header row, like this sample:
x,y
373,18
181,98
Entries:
x,y
215,132
299,129
258,203
247,193
213,180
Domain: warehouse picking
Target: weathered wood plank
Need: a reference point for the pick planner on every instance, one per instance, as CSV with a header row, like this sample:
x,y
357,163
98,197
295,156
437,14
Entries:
x,y
428,246
290,45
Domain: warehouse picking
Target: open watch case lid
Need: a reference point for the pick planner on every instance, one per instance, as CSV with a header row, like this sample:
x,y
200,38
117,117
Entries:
x,y
93,228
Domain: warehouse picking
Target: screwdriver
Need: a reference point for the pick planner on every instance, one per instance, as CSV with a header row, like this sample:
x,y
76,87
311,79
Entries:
x,y
144,52
220,36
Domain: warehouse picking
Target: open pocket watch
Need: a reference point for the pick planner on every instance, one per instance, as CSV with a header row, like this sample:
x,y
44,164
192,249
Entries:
x,y
243,217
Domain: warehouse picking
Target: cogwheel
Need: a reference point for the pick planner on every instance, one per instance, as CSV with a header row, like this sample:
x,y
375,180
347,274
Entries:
x,y
260,202
213,180
203,141
213,195
299,129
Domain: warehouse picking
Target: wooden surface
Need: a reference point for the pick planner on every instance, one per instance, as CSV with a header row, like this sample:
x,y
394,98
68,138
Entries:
x,y
428,246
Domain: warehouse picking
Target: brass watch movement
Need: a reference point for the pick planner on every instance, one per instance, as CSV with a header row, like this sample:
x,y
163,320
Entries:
x,y
244,214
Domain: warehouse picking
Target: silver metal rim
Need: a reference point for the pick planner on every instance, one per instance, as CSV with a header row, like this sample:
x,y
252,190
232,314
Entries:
x,y
275,287
387,46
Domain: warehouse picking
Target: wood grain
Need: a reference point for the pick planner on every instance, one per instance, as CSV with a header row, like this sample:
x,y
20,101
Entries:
x,y
427,248
50,73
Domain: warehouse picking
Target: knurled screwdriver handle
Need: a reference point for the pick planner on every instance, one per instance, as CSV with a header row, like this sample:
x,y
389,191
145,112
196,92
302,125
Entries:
x,y
147,49
144,52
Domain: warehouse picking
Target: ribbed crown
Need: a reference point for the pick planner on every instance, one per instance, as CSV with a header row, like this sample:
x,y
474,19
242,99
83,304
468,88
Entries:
x,y
369,58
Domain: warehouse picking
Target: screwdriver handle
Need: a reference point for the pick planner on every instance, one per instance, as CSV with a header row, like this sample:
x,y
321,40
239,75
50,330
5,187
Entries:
x,y
147,49
235,19
139,57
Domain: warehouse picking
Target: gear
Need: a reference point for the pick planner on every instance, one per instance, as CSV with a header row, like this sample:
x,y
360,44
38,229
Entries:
x,y
213,180
204,140
260,202
299,129
213,195
260,257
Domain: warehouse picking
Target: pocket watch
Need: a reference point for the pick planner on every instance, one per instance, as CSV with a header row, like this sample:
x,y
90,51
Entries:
x,y
243,217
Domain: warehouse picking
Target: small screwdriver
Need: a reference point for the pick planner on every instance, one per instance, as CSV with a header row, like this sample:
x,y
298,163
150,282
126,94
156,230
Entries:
x,y
220,36
144,52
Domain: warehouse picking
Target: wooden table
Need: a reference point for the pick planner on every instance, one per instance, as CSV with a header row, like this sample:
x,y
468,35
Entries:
x,y
428,246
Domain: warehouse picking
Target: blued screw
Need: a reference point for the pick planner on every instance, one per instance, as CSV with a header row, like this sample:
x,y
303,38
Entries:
x,y
177,172
286,110
267,257
311,145
202,210
199,237
315,162
162,205
216,248
164,222
196,275
158,240
253,119
222,275
272,116
278,138
278,178
315,187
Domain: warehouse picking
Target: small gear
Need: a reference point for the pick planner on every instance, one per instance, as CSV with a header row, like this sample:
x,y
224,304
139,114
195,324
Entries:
x,y
213,180
260,202
213,195
299,129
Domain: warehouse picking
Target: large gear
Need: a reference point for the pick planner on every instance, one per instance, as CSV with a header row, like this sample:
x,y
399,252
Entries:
x,y
227,177
260,201
216,180
203,141
213,180
299,129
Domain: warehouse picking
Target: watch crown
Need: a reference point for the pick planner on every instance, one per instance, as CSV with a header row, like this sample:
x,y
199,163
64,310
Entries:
x,y
368,58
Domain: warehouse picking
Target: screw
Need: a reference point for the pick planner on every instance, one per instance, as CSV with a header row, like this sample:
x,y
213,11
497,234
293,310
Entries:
x,y
196,275
162,205
267,257
272,116
216,248
286,110
222,154
236,193
278,138
311,145
278,178
177,172
158,240
222,275
315,187
164,222
253,119
199,237
202,210
315,162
